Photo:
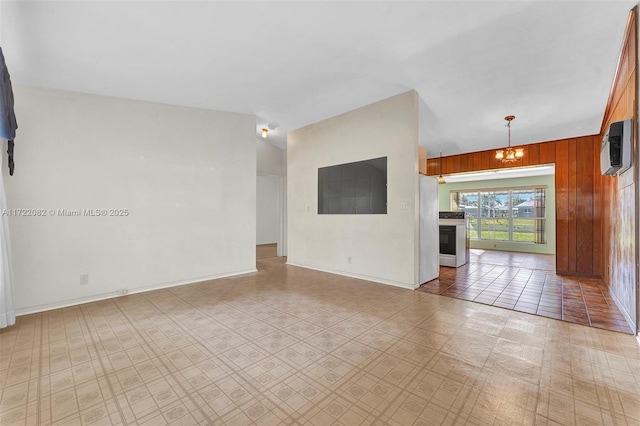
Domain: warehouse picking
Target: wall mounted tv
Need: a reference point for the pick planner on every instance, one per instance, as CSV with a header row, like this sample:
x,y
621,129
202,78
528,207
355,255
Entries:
x,y
353,188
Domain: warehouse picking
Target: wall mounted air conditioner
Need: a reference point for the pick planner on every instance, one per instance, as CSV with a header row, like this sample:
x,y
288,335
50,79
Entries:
x,y
615,154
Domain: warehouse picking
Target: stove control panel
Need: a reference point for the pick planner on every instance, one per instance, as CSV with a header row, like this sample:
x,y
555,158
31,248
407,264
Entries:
x,y
451,215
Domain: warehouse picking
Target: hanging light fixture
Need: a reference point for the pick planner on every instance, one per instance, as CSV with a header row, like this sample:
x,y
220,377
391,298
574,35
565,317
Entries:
x,y
440,178
265,130
509,155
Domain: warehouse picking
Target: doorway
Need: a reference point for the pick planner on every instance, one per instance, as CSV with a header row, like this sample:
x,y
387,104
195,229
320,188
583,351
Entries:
x,y
269,216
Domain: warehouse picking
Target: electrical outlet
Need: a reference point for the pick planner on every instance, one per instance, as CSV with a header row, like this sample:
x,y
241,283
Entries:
x,y
84,279
349,259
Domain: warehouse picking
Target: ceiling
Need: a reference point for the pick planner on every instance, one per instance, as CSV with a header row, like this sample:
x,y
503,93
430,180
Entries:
x,y
551,64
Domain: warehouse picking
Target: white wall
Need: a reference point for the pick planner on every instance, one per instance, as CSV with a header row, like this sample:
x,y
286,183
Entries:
x,y
382,248
186,176
270,159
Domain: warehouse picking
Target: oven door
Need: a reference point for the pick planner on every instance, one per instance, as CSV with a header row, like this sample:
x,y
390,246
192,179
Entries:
x,y
448,239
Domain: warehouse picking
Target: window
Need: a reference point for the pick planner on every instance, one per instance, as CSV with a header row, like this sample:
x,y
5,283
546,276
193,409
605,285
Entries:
x,y
504,214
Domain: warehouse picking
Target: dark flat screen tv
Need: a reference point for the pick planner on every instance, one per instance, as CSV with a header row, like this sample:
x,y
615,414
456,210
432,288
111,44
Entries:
x,y
353,188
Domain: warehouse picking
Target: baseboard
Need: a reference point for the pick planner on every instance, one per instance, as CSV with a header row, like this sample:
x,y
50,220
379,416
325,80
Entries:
x,y
625,314
118,293
577,274
352,275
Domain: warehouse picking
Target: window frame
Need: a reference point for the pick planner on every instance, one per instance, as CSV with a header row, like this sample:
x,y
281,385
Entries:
x,y
539,205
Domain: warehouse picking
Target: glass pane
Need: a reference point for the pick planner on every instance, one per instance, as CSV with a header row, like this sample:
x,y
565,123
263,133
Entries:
x,y
473,228
523,202
523,229
494,204
469,203
495,229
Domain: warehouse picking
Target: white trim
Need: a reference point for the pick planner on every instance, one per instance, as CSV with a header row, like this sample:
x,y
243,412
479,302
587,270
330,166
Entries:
x,y
358,276
111,295
282,202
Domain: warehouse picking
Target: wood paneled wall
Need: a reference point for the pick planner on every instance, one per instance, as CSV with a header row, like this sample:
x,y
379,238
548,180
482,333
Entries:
x,y
576,242
619,196
595,215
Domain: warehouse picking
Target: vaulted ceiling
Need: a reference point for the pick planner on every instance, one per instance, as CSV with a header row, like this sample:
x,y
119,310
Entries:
x,y
551,64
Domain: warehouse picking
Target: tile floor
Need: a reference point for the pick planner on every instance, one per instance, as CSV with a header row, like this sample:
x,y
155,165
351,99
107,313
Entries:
x,y
526,283
292,346
545,262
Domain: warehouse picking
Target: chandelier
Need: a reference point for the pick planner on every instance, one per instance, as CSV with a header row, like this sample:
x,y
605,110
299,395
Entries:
x,y
509,155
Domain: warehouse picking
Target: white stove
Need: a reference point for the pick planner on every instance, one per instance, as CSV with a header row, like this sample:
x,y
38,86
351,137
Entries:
x,y
454,246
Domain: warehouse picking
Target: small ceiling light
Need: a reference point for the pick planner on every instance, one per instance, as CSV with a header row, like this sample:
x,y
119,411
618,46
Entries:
x,y
440,178
265,131
509,155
